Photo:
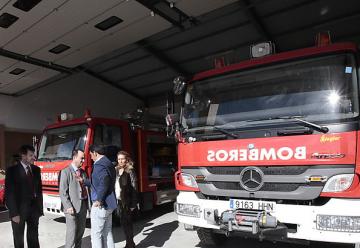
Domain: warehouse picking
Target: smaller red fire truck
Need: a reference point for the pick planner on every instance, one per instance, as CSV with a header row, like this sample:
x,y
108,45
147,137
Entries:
x,y
154,155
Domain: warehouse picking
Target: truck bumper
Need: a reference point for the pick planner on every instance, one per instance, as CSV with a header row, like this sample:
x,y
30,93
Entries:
x,y
303,220
52,204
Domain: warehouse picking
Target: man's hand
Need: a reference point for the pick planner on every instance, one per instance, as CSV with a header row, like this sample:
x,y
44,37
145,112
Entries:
x,y
79,178
16,219
70,211
97,204
132,209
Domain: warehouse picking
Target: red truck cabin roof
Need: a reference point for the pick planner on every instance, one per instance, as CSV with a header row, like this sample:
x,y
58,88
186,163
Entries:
x,y
278,57
92,120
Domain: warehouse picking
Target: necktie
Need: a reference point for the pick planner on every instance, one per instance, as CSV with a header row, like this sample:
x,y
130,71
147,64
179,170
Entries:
x,y
79,173
29,177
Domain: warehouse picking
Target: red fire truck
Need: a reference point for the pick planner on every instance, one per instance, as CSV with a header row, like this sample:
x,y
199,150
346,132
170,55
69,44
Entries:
x,y
154,155
269,147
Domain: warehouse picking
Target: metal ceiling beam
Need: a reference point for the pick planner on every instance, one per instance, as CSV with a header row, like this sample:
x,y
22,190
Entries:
x,y
234,10
5,94
142,74
107,81
59,68
256,20
157,6
42,84
244,44
37,62
121,64
320,24
233,27
163,58
152,84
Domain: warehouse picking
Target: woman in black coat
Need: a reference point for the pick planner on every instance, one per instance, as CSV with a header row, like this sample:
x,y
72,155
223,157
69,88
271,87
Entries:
x,y
127,194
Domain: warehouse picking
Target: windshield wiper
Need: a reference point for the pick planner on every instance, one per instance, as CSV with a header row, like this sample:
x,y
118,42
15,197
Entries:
x,y
319,128
224,131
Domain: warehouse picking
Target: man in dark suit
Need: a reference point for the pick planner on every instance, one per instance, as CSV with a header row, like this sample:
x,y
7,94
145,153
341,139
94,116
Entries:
x,y
103,198
23,198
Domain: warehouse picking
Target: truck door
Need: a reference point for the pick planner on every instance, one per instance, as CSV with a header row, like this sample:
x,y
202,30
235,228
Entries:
x,y
113,134
157,160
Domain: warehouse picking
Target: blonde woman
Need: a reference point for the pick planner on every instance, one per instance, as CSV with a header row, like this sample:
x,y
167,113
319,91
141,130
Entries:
x,y
126,192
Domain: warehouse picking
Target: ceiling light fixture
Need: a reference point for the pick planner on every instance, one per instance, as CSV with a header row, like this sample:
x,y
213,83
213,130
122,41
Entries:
x,y
108,23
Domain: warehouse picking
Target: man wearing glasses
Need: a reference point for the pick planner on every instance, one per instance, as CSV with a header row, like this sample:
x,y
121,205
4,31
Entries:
x,y
74,199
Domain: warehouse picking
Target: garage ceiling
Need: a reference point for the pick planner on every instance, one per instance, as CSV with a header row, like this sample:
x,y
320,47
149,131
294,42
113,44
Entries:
x,y
154,40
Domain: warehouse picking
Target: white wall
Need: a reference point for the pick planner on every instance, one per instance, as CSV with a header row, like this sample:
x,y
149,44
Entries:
x,y
74,94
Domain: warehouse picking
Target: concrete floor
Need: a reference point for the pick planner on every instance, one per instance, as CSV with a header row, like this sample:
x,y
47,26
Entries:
x,y
158,228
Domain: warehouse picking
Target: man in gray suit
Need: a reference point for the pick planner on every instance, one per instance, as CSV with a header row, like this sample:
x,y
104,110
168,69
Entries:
x,y
74,199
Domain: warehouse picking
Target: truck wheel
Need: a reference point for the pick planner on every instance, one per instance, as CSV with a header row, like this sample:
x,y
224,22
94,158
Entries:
x,y
209,238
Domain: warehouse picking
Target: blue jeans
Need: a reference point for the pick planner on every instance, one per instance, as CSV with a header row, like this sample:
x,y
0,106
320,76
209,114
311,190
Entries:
x,y
101,228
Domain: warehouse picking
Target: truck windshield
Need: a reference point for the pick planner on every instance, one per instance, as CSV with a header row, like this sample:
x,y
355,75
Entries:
x,y
58,143
315,89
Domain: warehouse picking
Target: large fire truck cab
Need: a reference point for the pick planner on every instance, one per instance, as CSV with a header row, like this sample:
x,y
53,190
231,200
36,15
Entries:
x,y
269,147
154,155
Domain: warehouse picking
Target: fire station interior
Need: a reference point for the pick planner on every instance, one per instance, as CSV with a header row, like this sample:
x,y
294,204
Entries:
x,y
117,59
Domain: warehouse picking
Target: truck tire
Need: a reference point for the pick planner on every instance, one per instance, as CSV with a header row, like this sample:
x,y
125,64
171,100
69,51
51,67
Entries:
x,y
209,238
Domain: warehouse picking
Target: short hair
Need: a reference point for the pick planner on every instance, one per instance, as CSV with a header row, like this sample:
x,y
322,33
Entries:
x,y
24,149
98,149
76,151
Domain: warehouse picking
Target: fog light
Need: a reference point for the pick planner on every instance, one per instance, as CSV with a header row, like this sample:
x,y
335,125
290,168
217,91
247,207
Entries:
x,y
188,210
338,223
189,227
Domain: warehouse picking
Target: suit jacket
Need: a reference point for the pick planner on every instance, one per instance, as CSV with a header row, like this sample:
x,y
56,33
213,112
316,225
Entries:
x,y
102,183
19,197
70,189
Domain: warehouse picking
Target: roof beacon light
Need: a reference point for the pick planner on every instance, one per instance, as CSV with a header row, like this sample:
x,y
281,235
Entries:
x,y
323,39
87,115
262,49
66,116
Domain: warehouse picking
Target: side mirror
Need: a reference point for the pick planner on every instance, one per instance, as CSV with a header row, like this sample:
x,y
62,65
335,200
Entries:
x,y
172,124
179,85
35,143
171,119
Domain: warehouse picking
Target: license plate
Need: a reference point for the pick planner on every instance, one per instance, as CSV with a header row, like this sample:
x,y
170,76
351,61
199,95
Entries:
x,y
52,202
252,205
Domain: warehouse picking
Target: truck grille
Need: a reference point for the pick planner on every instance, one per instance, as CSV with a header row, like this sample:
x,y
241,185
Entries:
x,y
276,170
280,182
281,187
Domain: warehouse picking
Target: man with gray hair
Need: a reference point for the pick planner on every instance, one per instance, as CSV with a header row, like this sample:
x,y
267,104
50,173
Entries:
x,y
74,199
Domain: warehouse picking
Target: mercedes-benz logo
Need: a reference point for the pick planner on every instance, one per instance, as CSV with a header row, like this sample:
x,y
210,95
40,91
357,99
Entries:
x,y
251,179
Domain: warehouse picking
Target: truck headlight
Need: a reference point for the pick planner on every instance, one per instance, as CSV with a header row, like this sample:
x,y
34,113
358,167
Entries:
x,y
338,223
188,210
188,180
339,183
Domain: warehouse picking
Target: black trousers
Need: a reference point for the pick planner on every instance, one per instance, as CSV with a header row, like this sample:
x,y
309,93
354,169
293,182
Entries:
x,y
32,233
127,225
31,219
